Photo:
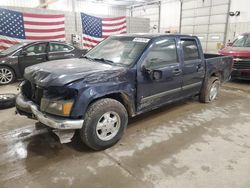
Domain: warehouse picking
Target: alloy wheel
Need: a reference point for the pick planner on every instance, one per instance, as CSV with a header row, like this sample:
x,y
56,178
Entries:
x,y
6,76
108,126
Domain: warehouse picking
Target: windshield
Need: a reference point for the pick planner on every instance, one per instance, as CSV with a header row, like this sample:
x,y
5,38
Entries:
x,y
242,41
118,50
12,48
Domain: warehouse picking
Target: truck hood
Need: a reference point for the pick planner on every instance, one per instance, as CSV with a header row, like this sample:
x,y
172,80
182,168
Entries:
x,y
61,72
236,51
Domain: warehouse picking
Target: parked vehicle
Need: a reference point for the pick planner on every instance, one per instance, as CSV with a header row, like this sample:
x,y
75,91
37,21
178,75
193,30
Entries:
x,y
121,77
15,59
240,51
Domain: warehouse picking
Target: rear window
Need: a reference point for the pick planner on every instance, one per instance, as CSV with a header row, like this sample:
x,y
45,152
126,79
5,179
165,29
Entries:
x,y
55,47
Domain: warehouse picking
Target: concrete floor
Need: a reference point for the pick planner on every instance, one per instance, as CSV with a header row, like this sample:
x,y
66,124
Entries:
x,y
188,144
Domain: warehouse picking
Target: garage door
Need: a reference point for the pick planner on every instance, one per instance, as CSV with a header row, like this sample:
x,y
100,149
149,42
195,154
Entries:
x,y
207,19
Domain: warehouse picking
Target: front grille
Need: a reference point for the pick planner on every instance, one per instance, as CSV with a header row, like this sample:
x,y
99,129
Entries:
x,y
245,75
37,94
32,92
241,63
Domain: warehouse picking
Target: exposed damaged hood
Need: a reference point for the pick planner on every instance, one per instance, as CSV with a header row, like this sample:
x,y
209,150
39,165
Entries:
x,y
61,72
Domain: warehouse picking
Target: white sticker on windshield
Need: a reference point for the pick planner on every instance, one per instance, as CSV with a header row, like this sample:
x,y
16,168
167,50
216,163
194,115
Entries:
x,y
144,40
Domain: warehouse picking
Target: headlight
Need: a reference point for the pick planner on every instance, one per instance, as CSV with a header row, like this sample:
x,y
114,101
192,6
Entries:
x,y
56,107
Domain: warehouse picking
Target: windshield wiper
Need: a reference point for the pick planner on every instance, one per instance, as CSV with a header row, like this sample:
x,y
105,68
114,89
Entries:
x,y
86,57
104,60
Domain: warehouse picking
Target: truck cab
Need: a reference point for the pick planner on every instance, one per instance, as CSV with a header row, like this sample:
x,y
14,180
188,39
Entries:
x,y
122,77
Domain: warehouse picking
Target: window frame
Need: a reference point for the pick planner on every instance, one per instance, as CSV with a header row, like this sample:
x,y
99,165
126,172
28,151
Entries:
x,y
46,45
60,44
198,50
167,64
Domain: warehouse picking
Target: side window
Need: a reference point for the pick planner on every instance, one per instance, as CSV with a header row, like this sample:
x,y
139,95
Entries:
x,y
55,47
162,53
36,49
190,49
17,53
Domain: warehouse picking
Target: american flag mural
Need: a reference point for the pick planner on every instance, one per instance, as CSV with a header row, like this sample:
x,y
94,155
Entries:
x,y
95,29
16,27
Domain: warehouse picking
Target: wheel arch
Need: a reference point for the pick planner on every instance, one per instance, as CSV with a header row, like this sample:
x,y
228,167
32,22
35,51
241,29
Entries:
x,y
122,97
14,71
218,74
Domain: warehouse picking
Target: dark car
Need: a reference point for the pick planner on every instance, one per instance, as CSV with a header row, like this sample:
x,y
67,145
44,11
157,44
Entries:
x,y
121,77
240,51
15,59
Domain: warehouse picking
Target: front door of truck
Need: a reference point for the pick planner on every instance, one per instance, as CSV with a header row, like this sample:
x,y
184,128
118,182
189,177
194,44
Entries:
x,y
159,76
193,67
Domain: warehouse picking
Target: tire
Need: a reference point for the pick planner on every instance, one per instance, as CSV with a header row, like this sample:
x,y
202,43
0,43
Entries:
x,y
104,124
210,90
7,75
7,100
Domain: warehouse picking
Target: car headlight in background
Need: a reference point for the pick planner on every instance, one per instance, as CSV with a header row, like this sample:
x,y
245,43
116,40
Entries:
x,y
56,107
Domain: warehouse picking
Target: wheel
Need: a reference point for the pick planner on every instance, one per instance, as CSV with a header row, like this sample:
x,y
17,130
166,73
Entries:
x,y
7,75
104,124
210,90
7,100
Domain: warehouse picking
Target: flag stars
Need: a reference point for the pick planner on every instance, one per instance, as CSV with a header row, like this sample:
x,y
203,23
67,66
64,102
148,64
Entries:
x,y
11,24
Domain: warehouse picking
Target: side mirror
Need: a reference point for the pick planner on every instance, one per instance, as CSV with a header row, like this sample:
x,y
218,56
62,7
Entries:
x,y
156,75
152,74
230,44
85,51
24,53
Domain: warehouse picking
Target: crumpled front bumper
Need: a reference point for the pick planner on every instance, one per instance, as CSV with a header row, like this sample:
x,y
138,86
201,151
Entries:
x,y
29,107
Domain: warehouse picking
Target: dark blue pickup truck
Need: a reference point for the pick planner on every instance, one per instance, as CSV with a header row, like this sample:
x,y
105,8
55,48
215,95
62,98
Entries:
x,y
122,77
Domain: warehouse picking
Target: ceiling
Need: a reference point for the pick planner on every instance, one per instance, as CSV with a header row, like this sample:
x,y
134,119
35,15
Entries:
x,y
123,2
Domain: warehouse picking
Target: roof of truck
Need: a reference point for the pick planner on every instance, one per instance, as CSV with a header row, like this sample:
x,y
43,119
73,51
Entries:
x,y
152,35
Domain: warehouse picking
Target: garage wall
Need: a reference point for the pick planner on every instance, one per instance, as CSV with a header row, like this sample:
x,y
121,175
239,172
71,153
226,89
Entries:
x,y
151,12
66,5
239,24
138,25
19,3
74,26
207,19
164,15
170,16
88,7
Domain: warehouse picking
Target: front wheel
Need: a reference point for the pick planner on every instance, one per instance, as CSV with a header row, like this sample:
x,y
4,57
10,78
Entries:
x,y
104,124
210,90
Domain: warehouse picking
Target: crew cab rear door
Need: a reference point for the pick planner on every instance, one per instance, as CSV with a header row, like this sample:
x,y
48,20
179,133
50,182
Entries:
x,y
159,74
193,66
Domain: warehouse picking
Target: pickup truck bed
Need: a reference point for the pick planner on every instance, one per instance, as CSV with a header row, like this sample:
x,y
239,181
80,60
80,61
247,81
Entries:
x,y
219,63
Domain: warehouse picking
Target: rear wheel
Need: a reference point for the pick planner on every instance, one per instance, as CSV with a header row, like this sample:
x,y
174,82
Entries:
x,y
210,90
7,75
104,124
